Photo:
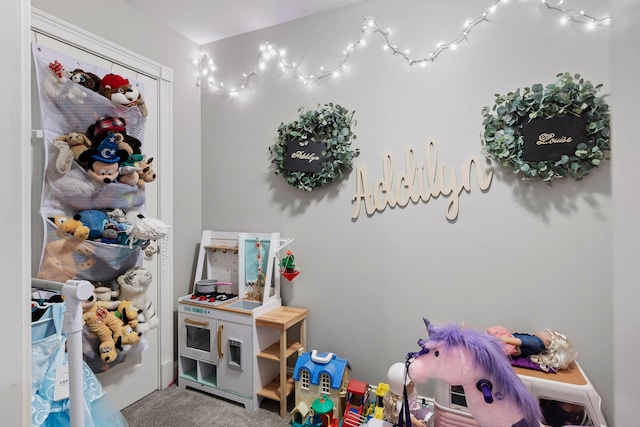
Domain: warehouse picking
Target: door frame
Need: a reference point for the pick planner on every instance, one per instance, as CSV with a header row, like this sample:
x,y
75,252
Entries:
x,y
53,27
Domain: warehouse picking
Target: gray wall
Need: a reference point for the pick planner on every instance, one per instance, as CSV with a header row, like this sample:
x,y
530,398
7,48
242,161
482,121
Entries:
x,y
524,254
625,66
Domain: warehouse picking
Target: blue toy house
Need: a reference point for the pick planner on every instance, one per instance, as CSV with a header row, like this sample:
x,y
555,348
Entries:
x,y
319,376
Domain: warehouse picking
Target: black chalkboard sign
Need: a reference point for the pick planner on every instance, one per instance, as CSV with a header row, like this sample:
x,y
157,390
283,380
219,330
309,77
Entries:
x,y
307,158
550,139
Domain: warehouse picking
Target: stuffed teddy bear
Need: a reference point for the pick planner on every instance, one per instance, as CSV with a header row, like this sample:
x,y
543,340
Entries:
x,y
120,92
134,284
75,142
64,258
72,226
111,331
53,269
103,161
86,79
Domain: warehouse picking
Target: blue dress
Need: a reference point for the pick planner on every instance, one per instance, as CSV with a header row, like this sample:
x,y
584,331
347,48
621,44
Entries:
x,y
48,352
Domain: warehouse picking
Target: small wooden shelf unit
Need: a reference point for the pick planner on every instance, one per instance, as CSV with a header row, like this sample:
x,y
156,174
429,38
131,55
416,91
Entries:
x,y
282,318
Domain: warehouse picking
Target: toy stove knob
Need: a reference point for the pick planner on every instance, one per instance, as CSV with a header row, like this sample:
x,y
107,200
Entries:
x,y
212,299
194,296
202,298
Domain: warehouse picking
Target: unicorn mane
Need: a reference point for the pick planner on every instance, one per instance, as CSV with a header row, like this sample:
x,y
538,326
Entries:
x,y
489,357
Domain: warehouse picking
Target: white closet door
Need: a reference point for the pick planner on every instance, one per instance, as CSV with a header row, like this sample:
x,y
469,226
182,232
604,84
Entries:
x,y
139,374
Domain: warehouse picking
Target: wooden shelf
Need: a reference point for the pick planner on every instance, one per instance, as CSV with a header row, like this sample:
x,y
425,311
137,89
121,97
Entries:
x,y
273,352
282,318
272,390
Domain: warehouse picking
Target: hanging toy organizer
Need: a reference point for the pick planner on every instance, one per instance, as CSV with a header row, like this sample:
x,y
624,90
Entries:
x,y
89,221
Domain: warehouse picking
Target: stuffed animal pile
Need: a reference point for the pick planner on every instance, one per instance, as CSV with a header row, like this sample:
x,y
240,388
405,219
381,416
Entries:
x,y
105,151
66,83
110,329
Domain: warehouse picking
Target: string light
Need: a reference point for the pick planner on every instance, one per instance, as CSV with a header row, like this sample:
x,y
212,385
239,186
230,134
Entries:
x,y
370,27
580,18
205,66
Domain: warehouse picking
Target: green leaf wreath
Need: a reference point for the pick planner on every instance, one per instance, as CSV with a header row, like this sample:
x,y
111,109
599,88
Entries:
x,y
330,124
570,95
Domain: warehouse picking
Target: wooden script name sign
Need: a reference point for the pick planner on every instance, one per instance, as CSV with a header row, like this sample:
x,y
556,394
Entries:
x,y
418,181
304,158
550,139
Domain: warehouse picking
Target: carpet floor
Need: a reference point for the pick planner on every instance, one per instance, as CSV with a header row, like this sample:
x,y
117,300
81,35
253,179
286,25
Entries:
x,y
179,407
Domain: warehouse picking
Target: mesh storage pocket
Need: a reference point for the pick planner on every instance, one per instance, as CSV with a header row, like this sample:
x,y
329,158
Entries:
x,y
65,257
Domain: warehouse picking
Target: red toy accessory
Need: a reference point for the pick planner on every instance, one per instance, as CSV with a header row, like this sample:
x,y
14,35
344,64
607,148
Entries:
x,y
112,81
56,67
288,267
108,124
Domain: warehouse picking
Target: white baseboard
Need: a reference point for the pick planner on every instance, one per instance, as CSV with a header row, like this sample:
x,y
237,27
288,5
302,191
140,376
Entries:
x,y
168,373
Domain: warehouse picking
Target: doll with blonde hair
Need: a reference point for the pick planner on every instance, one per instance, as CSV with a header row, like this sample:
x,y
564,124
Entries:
x,y
393,399
549,349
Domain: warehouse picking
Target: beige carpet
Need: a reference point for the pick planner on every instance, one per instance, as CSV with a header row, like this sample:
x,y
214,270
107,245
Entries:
x,y
174,406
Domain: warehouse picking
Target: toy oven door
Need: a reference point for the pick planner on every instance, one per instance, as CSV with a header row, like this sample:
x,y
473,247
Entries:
x,y
198,337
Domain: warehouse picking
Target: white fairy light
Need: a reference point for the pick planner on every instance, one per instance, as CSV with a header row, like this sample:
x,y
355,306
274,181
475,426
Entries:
x,y
370,27
204,64
580,18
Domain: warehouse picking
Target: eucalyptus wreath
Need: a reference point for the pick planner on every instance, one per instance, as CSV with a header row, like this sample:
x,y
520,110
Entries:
x,y
570,95
330,124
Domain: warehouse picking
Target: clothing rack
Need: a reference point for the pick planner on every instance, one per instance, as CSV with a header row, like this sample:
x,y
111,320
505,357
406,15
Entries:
x,y
74,291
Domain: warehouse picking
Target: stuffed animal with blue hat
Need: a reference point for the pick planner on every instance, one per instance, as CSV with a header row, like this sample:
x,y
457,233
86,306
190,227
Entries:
x,y
103,162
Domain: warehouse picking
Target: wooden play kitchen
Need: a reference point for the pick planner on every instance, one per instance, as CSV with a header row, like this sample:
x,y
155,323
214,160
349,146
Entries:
x,y
230,336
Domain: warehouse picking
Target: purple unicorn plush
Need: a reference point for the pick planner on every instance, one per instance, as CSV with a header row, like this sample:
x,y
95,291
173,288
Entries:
x,y
495,395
